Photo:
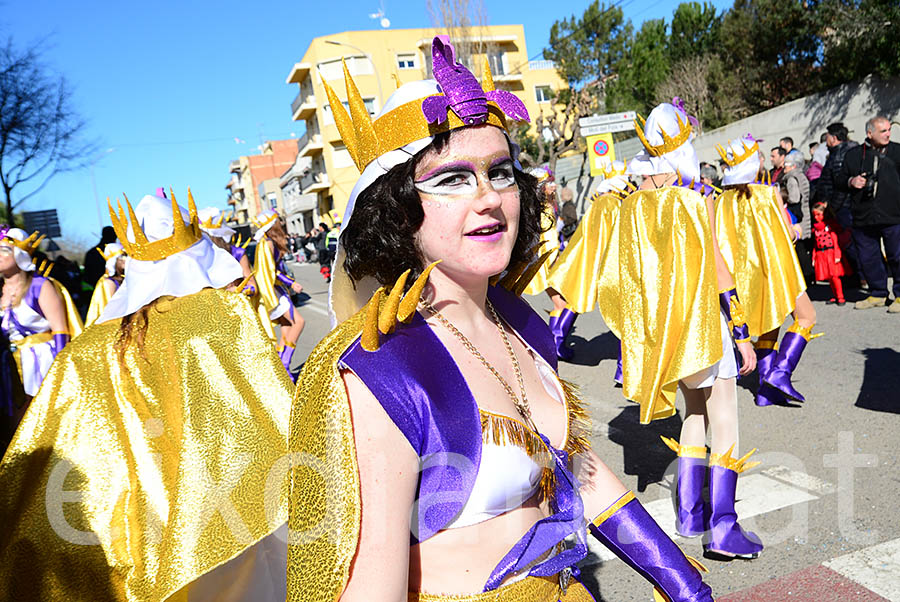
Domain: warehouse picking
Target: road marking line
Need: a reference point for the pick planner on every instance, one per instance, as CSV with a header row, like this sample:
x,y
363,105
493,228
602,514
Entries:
x,y
876,568
800,479
313,306
756,494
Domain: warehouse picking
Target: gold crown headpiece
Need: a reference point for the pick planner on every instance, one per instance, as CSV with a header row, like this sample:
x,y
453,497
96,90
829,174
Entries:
x,y
609,171
29,245
211,224
367,139
262,224
184,235
114,253
670,143
737,158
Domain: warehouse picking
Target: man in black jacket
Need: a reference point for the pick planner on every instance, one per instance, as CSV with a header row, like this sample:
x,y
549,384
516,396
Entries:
x,y
871,175
828,190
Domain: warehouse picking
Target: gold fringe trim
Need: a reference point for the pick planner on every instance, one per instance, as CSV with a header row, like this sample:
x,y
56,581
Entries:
x,y
503,430
726,461
579,425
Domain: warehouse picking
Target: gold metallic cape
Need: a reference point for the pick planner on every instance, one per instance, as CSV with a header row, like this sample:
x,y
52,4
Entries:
x,y
73,318
324,499
549,242
128,482
757,248
99,300
658,294
577,270
264,272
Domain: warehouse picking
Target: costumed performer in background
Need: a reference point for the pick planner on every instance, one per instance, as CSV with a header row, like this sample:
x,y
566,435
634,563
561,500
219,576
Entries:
x,y
433,423
114,255
576,272
168,417
275,284
562,318
754,236
212,221
829,262
38,318
658,293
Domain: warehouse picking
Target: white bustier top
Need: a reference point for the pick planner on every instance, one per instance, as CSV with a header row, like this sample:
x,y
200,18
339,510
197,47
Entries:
x,y
507,476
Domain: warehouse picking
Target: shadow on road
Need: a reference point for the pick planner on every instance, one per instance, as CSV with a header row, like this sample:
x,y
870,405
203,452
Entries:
x,y
881,381
644,454
591,353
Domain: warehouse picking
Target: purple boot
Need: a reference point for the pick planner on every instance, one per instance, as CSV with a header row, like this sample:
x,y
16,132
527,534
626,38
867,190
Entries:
x,y
561,328
766,395
726,537
792,345
692,515
286,353
631,534
617,377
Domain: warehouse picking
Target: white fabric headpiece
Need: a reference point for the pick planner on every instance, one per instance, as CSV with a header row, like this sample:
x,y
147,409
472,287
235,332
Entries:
x,y
202,265
116,249
23,259
682,160
267,218
212,214
745,171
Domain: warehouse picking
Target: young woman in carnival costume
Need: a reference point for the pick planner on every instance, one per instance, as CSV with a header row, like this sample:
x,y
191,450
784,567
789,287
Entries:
x,y
275,284
562,319
38,319
576,272
434,406
168,417
754,235
659,294
114,255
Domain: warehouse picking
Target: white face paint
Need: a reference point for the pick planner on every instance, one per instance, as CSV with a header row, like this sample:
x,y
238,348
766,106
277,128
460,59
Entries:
x,y
463,178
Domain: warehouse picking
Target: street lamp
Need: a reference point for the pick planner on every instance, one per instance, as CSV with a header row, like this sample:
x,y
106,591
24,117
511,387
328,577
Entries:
x,y
368,56
94,184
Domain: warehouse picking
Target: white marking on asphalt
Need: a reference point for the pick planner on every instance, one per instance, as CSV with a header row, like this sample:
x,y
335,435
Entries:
x,y
800,479
876,568
316,306
756,494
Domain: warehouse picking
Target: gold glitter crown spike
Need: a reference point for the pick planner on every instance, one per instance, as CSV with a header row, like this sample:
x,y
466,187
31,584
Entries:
x,y
736,158
183,235
669,143
30,244
366,139
263,224
115,253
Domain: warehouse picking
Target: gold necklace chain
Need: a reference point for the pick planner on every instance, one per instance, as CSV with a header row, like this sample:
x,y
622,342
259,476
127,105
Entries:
x,y
521,404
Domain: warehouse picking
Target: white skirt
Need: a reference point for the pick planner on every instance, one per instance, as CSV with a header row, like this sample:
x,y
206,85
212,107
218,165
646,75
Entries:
x,y
727,367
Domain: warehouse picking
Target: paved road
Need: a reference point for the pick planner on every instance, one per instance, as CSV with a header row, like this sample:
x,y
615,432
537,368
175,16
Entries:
x,y
829,521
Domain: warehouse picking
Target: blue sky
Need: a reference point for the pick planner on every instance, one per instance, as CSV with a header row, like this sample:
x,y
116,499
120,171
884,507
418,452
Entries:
x,y
179,89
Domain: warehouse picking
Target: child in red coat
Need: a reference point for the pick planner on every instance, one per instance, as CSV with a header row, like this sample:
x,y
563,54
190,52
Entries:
x,y
827,257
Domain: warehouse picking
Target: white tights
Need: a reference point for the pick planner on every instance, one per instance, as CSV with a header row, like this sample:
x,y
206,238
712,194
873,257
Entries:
x,y
716,407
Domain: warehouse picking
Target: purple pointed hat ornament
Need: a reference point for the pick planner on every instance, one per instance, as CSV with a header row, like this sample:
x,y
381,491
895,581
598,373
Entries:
x,y
679,103
463,93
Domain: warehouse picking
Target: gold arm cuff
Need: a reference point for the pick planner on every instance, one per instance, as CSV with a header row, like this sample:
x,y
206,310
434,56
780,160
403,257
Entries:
x,y
617,505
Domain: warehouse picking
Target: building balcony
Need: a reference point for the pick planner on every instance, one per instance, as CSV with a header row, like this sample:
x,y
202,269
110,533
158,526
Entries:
x,y
234,166
310,145
304,106
314,181
508,77
299,203
541,65
233,183
299,72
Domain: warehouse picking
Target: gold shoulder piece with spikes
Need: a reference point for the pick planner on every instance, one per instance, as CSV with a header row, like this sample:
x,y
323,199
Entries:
x,y
183,235
669,143
383,314
522,283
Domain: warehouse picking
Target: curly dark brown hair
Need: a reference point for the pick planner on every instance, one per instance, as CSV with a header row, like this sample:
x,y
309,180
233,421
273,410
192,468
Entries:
x,y
380,239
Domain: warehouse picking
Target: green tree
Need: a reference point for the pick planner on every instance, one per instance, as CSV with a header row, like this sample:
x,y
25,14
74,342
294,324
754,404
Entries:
x,y
695,30
859,37
645,66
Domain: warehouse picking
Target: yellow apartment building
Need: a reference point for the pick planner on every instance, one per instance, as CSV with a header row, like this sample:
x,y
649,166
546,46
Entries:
x,y
379,61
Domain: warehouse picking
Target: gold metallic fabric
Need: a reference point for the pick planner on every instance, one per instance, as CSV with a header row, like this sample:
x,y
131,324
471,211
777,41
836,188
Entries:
x,y
324,514
657,293
529,589
264,272
73,318
128,479
549,242
757,248
99,300
576,271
